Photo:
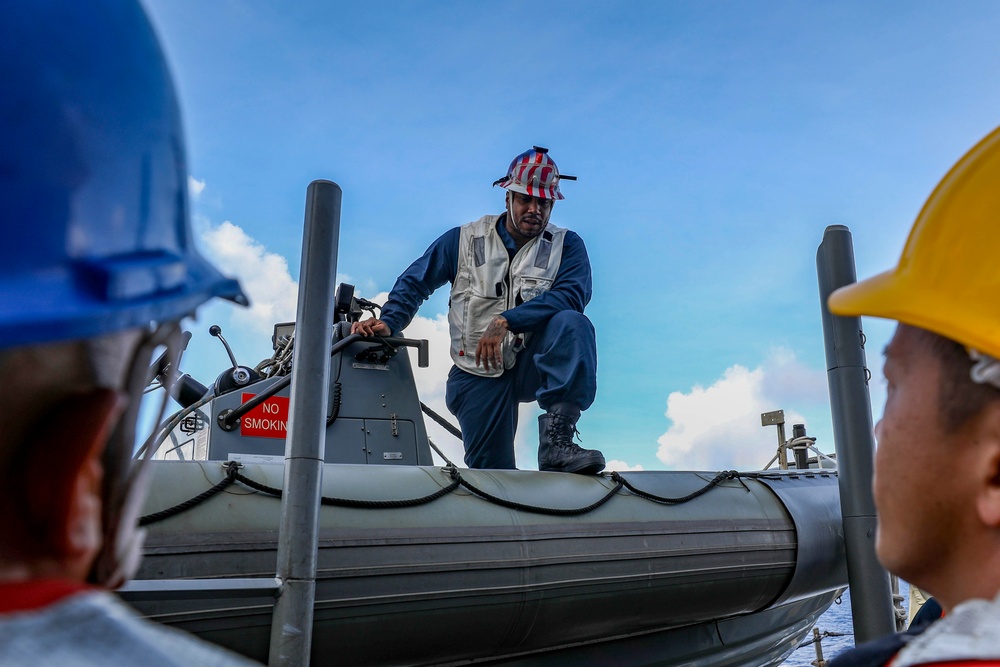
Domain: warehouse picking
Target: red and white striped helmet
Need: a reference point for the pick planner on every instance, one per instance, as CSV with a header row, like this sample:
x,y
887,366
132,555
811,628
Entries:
x,y
534,173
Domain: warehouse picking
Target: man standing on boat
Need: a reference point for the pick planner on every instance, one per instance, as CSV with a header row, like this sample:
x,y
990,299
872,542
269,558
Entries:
x,y
519,285
938,457
96,269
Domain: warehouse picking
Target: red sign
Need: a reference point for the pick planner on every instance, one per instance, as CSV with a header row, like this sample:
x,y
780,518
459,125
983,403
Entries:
x,y
267,420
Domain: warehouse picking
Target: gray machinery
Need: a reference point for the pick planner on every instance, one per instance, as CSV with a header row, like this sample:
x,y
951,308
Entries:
x,y
381,423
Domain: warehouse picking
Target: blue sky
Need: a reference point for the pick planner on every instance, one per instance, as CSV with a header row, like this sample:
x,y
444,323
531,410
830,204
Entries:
x,y
713,141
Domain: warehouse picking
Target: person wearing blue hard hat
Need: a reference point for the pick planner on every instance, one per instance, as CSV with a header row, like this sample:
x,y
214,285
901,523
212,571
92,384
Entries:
x,y
97,267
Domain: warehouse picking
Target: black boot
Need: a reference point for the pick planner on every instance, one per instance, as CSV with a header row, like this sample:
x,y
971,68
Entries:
x,y
556,450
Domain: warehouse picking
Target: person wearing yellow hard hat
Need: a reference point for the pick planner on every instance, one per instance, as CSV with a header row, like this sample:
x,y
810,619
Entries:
x,y
938,458
519,286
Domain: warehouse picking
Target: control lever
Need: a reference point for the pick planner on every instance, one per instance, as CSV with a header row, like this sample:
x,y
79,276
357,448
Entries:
x,y
389,347
216,331
239,376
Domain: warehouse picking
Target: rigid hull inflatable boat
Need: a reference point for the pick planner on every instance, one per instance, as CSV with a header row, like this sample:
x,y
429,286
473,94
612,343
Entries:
x,y
427,565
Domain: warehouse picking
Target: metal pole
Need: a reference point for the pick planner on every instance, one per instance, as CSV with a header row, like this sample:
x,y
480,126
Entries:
x,y
799,449
292,624
850,404
820,661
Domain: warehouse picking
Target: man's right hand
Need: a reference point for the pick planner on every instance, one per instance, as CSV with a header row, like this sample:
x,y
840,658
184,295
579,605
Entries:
x,y
371,327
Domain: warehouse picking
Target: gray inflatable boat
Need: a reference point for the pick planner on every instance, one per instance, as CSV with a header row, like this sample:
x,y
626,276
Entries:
x,y
427,565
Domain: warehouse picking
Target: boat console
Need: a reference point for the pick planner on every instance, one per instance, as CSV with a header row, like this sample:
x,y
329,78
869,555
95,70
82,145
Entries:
x,y
373,414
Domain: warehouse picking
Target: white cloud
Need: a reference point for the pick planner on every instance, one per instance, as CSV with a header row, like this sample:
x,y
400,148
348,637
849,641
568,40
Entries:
x,y
263,274
719,427
195,187
621,466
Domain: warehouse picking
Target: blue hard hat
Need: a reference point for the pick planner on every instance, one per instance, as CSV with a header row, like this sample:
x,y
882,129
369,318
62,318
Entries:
x,y
93,180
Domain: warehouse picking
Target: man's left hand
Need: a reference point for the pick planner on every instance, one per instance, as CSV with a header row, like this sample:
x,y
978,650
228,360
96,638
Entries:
x,y
489,348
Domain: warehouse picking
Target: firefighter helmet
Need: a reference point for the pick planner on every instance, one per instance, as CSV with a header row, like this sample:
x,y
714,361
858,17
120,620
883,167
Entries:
x,y
534,173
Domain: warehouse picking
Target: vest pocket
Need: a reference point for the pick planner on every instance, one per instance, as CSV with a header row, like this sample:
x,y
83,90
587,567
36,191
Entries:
x,y
528,287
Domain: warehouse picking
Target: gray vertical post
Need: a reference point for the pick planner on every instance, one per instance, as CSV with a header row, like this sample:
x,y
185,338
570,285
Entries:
x,y
292,624
850,404
800,451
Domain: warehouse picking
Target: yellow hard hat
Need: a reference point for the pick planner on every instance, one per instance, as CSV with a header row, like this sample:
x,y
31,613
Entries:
x,y
948,278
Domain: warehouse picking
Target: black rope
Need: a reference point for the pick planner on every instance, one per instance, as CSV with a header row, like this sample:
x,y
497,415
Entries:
x,y
233,475
257,486
718,479
357,504
197,500
533,508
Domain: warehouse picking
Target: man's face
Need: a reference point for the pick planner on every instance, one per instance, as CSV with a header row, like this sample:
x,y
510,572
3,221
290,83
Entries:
x,y
921,479
528,216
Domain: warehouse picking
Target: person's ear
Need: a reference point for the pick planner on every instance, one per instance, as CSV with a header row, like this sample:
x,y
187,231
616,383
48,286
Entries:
x,y
63,474
988,460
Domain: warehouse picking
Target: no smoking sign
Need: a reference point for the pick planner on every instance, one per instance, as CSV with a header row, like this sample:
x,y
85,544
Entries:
x,y
267,420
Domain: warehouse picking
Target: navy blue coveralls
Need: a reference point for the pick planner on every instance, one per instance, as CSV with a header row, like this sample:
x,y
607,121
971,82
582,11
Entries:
x,y
558,364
